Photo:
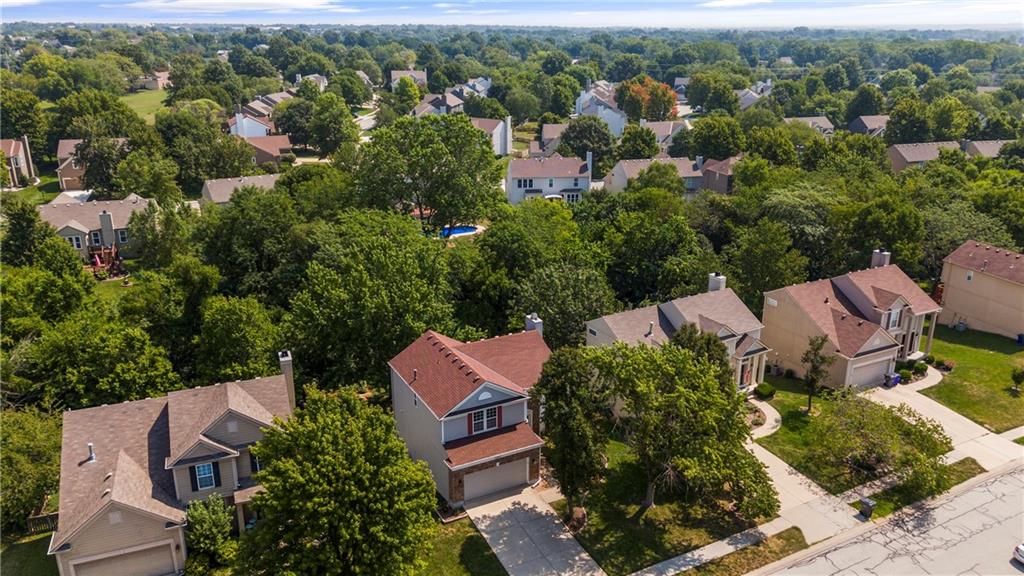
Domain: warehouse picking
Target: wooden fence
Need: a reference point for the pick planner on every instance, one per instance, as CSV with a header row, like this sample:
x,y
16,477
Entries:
x,y
43,523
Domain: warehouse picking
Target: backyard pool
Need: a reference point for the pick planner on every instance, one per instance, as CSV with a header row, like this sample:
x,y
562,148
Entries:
x,y
450,231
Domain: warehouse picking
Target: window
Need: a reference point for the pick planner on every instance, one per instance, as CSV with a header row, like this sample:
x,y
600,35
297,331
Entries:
x,y
592,332
15,161
970,275
484,420
96,240
122,236
575,182
894,318
572,197
524,183
254,463
551,182
204,476
75,164
75,241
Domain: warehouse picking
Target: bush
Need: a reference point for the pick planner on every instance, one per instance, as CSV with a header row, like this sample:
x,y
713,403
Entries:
x,y
764,391
919,369
929,359
209,525
790,374
905,375
948,365
197,564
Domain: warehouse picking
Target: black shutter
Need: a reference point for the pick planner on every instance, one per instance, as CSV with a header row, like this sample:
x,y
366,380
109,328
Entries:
x,y
216,473
192,478
253,465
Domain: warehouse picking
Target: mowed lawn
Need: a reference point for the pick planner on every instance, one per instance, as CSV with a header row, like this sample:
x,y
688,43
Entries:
x,y
892,499
145,103
777,547
621,541
458,549
979,387
27,557
47,189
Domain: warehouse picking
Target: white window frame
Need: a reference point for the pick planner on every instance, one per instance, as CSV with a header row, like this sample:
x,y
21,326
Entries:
x,y
122,236
96,238
894,318
486,419
572,197
551,182
970,275
75,241
202,474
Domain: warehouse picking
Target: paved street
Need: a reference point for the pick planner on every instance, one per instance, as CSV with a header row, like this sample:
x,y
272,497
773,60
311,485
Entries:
x,y
971,533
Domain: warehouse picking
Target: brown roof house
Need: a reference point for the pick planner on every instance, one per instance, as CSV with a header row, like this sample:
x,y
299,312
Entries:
x,y
69,170
247,125
598,99
718,311
417,76
983,287
718,174
465,409
128,470
903,156
665,130
985,148
447,103
872,125
18,157
871,317
625,170
269,149
498,131
221,190
553,177
822,124
93,227
550,138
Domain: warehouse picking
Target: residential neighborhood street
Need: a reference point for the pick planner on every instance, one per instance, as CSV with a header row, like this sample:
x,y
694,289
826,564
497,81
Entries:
x,y
973,532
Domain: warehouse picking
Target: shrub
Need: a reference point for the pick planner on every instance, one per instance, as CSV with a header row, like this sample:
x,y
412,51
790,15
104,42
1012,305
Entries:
x,y
905,375
209,525
929,359
197,564
764,391
919,369
790,374
949,365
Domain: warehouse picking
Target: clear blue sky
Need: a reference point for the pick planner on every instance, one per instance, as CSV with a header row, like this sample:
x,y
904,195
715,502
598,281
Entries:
x,y
656,13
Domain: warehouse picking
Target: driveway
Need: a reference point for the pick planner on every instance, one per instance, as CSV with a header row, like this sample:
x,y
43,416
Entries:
x,y
528,537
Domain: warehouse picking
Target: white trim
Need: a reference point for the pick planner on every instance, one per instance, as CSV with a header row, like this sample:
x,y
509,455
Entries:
x,y
122,551
209,442
474,393
96,515
494,457
198,477
234,467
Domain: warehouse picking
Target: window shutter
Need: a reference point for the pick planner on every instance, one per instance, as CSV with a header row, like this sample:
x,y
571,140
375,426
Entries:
x,y
252,463
192,478
216,473
499,415
469,423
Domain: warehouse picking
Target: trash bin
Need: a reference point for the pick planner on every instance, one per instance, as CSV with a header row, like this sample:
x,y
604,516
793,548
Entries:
x,y
867,507
1020,339
891,379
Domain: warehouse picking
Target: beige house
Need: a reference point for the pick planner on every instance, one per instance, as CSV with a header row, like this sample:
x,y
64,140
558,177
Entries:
x,y
983,287
718,311
822,124
625,170
718,174
465,409
128,470
551,137
871,125
18,156
417,76
903,156
871,318
92,227
221,190
985,148
269,149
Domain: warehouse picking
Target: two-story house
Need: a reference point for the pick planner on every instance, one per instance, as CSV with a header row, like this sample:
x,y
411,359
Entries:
x,y
689,171
718,311
221,190
245,124
983,287
499,132
128,471
465,409
92,227
447,103
18,156
598,99
417,76
552,177
70,171
871,319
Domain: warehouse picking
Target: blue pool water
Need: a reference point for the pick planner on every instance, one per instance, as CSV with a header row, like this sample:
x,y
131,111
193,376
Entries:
x,y
448,231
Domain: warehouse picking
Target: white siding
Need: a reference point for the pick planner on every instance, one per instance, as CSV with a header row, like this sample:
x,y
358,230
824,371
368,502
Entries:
x,y
420,430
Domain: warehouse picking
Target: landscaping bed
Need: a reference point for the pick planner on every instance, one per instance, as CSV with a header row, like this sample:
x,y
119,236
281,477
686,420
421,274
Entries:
x,y
892,499
979,387
458,549
777,547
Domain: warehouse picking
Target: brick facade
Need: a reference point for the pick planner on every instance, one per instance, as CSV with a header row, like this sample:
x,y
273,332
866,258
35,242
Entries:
x,y
456,478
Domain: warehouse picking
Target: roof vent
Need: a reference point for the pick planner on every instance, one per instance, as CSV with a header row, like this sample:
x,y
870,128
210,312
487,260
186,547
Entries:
x,y
826,299
108,476
92,453
860,322
105,493
415,373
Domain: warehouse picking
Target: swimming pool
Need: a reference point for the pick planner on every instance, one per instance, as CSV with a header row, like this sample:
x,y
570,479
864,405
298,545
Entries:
x,y
449,231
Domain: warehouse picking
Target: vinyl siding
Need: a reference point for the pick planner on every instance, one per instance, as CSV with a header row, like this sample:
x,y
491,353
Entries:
x,y
458,427
420,430
985,303
247,431
228,482
99,536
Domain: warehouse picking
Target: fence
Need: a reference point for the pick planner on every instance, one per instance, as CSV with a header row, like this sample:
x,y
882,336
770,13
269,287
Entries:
x,y
43,523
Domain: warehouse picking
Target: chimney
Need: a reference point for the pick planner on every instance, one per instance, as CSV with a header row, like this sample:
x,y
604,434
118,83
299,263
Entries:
x,y
298,79
716,281
533,322
106,228
28,160
590,162
880,257
92,453
700,162
285,358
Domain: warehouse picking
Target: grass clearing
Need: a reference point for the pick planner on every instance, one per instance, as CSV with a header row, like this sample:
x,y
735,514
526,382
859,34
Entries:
x,y
892,499
789,541
458,549
110,291
27,557
621,541
145,103
979,387
47,189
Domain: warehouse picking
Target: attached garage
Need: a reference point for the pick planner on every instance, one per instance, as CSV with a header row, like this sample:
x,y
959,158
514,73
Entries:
x,y
153,561
868,374
497,478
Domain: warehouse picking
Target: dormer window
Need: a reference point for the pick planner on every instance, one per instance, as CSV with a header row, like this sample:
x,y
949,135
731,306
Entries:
x,y
894,318
484,420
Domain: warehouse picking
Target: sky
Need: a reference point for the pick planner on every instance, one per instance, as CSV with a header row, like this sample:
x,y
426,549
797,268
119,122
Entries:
x,y
1007,14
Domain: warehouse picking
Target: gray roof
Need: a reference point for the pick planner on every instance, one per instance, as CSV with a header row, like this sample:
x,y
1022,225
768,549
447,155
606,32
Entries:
x,y
684,166
550,132
87,214
816,122
555,166
986,148
419,76
720,306
923,151
869,124
645,325
219,191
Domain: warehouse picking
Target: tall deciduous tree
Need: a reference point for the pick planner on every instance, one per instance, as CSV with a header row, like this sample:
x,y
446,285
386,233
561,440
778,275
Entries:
x,y
867,100
341,494
237,340
331,124
30,462
292,117
588,134
772,144
817,363
908,123
762,259
637,142
716,137
584,294
147,174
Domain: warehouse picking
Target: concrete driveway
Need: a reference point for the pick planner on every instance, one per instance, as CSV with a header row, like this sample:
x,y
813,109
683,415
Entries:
x,y
528,537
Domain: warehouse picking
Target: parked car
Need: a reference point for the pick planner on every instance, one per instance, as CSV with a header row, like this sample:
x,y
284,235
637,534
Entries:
x,y
1018,553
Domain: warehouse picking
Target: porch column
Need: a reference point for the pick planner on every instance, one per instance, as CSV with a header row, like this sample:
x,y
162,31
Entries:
x,y
931,332
241,518
736,373
763,363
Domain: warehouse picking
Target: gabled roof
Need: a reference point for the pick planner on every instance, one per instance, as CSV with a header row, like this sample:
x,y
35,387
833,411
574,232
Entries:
x,y
10,147
272,145
261,119
685,167
883,284
550,132
221,189
988,259
419,76
87,214
488,125
479,447
555,166
723,307
645,325
66,148
664,130
869,124
447,370
922,151
817,122
723,167
986,148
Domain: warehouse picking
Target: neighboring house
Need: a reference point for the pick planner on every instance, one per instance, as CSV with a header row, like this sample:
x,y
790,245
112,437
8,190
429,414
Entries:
x,y
665,130
551,137
869,125
465,409
747,98
718,174
872,318
599,100
447,103
718,311
903,156
417,76
246,125
679,85
128,471
91,227
319,79
552,177
221,190
269,148
18,156
154,81
820,123
478,87
223,55
366,79
625,170
263,105
69,170
983,287
987,89
499,131
985,148
762,87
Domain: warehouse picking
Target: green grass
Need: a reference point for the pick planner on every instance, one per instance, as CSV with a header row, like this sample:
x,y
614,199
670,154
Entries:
x,y
622,541
110,291
145,103
47,189
1020,440
458,549
892,499
27,557
980,386
777,547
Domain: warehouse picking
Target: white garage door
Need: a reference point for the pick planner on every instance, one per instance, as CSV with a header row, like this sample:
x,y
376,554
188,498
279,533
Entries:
x,y
868,375
498,478
155,561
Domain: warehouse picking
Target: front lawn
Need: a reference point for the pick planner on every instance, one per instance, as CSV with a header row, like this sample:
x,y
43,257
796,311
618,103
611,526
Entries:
x,y
980,386
777,547
458,549
892,499
47,189
621,541
27,557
